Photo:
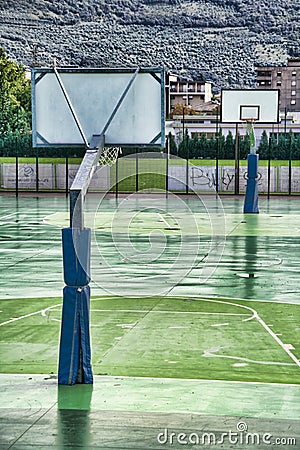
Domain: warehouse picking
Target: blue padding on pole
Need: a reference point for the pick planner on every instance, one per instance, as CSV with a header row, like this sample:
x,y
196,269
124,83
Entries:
x,y
252,166
75,350
76,256
251,197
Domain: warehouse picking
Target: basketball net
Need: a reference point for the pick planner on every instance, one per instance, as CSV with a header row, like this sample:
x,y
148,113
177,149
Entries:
x,y
109,156
249,125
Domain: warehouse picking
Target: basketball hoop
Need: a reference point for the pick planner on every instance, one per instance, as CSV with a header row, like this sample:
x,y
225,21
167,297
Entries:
x,y
109,156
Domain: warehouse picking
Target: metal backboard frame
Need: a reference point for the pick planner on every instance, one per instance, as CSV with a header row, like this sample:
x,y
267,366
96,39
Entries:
x,y
71,106
261,105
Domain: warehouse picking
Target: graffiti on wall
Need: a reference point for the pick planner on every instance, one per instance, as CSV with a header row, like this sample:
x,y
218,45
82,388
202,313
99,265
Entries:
x,y
204,178
27,176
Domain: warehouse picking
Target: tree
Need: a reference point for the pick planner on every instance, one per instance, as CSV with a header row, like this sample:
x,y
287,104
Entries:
x,y
184,146
290,144
263,148
229,146
15,114
244,146
296,153
193,147
180,109
273,147
221,145
172,144
282,152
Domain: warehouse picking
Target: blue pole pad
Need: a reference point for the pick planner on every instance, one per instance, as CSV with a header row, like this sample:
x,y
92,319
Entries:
x,y
251,197
76,256
252,166
75,336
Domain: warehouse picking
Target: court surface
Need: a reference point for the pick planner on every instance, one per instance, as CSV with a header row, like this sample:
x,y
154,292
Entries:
x,y
194,324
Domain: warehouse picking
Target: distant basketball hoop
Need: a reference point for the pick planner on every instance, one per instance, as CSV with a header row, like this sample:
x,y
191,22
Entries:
x,y
261,105
249,106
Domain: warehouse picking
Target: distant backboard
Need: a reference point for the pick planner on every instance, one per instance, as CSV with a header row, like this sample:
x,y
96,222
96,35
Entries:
x,y
70,106
261,105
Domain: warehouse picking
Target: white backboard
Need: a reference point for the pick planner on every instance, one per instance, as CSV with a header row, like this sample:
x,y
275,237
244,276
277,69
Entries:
x,y
93,95
242,104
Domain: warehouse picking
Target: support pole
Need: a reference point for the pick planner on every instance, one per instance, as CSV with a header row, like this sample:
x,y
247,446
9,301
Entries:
x,y
75,349
251,197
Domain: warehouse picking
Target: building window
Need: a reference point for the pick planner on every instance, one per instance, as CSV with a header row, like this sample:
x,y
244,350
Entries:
x,y
278,83
294,83
293,102
294,73
264,73
293,92
279,74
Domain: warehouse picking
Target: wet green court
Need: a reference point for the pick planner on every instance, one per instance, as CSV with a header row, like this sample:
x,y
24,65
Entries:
x,y
194,321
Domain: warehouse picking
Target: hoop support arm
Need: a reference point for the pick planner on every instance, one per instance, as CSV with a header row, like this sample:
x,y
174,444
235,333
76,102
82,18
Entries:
x,y
82,181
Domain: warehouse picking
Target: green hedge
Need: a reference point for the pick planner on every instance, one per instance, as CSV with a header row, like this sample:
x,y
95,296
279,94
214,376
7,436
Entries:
x,y
285,147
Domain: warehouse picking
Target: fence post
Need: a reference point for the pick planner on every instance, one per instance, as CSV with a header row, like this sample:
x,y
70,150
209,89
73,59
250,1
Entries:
x,y
37,170
290,166
67,176
117,177
167,165
136,170
17,168
269,166
237,162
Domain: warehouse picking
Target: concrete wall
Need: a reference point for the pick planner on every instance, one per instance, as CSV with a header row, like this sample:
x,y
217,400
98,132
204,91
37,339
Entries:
x,y
200,178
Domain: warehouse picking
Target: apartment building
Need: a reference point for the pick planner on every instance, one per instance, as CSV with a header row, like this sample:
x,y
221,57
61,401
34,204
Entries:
x,y
193,94
285,78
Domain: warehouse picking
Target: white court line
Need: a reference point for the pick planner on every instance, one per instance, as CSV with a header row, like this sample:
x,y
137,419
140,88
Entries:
x,y
159,380
167,312
255,315
279,341
283,302
164,220
209,354
8,215
29,315
268,329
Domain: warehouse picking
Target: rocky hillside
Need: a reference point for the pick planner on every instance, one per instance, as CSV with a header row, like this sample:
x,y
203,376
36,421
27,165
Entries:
x,y
220,39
